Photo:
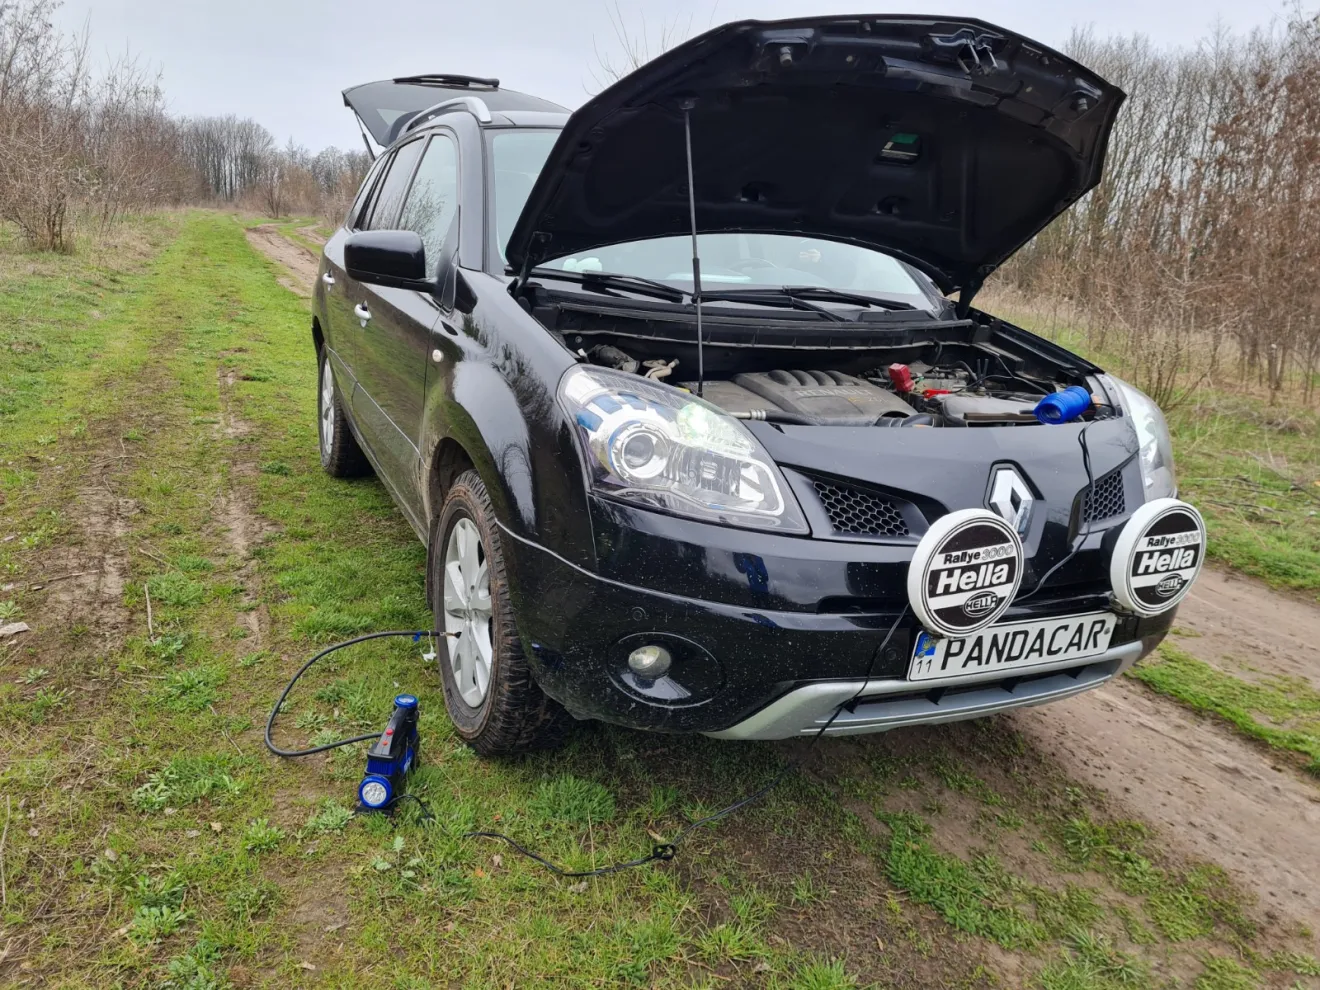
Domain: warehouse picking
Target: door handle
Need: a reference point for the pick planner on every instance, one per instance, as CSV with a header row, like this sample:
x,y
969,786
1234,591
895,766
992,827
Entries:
x,y
362,313
327,278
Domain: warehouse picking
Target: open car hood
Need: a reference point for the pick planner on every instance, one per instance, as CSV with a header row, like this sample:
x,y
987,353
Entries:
x,y
946,142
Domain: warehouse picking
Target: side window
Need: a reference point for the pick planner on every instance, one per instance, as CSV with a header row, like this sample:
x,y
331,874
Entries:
x,y
357,212
389,194
433,199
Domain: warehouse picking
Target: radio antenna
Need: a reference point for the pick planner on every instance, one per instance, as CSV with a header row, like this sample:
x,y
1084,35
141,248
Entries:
x,y
696,259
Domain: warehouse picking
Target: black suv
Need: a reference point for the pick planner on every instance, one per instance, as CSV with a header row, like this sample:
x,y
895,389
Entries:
x,y
686,396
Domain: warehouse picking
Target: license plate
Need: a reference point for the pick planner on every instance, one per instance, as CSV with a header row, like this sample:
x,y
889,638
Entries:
x,y
1014,645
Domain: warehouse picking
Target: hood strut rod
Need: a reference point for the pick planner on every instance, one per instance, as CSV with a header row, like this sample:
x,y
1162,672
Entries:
x,y
696,260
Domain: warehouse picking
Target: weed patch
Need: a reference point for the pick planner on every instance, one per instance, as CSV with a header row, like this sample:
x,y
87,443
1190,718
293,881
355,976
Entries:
x,y
176,589
193,690
573,801
186,779
973,898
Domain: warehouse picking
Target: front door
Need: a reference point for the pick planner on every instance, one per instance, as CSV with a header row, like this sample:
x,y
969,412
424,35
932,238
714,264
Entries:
x,y
396,344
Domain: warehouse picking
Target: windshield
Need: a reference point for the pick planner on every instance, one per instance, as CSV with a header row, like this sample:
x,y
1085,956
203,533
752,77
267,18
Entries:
x,y
729,261
517,157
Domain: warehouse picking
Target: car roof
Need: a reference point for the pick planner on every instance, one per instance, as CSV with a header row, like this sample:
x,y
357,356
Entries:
x,y
509,118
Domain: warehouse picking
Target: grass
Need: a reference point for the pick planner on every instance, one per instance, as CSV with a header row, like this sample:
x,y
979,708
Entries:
x,y
1279,711
161,846
1254,472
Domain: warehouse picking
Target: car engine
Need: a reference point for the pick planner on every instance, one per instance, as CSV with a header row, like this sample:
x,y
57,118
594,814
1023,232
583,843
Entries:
x,y
823,398
901,395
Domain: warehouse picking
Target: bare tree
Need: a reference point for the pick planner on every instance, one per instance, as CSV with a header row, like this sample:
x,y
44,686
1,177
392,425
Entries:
x,y
1195,257
44,82
638,42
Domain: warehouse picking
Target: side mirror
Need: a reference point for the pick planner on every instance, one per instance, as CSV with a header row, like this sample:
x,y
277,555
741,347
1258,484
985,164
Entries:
x,y
388,257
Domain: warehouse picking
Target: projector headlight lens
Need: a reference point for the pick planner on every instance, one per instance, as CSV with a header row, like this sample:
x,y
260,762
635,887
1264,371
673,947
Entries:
x,y
1156,447
374,792
659,446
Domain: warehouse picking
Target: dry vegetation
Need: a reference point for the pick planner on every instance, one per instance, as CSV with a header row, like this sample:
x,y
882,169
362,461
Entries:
x,y
1196,258
79,148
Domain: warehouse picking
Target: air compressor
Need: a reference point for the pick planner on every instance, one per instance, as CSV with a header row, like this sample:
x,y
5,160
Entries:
x,y
391,757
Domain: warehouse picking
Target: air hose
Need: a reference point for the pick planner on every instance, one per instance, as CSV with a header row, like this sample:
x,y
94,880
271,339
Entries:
x,y
270,722
660,851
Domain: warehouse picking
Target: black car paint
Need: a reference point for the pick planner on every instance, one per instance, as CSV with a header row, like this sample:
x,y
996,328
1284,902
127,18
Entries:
x,y
757,613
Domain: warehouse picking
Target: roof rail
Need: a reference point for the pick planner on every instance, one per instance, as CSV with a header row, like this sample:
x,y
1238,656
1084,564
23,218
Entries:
x,y
448,79
472,104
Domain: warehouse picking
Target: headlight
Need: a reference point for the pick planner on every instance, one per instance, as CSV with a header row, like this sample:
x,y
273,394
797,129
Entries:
x,y
662,447
1156,448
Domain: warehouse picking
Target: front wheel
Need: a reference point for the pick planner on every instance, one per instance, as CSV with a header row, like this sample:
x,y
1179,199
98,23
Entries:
x,y
341,457
491,697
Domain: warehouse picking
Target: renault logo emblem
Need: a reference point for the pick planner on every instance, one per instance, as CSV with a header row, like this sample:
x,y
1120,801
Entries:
x,y
1011,497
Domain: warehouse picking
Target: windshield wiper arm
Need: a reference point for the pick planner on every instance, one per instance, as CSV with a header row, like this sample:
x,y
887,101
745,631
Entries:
x,y
605,280
838,295
771,297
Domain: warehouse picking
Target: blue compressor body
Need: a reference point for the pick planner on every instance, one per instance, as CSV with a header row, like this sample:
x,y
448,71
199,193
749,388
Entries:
x,y
391,757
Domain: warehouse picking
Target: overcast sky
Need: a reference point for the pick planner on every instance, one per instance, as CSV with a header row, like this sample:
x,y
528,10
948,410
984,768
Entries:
x,y
284,62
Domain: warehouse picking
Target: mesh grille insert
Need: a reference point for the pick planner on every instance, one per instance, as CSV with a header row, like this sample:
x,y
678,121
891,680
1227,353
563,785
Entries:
x,y
1105,499
860,513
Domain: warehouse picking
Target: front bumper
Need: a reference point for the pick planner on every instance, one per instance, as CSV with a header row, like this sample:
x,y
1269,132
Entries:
x,y
749,672
891,704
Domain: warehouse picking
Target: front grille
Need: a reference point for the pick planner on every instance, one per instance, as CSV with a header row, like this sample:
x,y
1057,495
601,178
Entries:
x,y
1105,498
860,513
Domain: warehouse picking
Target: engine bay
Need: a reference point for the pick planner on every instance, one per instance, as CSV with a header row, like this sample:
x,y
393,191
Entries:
x,y
893,370
901,395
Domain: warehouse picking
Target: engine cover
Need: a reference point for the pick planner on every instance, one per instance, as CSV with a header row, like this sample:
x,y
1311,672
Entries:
x,y
830,398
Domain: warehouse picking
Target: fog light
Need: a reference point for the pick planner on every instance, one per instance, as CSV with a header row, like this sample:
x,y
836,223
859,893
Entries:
x,y
650,661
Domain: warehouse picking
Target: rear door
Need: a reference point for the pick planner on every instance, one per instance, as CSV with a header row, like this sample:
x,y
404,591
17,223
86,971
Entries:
x,y
333,288
386,107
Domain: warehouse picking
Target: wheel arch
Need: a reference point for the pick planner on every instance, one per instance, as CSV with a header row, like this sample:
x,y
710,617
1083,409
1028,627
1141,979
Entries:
x,y
449,460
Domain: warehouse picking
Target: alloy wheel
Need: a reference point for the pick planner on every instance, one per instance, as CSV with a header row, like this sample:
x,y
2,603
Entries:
x,y
327,411
468,612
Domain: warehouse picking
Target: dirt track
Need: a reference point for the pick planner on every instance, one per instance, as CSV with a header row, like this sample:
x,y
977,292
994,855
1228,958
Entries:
x,y
1212,793
300,263
1246,629
1215,796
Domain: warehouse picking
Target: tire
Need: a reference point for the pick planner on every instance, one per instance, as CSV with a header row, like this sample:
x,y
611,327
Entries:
x,y
341,457
508,713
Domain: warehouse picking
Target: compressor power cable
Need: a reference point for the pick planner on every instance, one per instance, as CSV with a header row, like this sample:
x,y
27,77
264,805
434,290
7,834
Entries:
x,y
1080,538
